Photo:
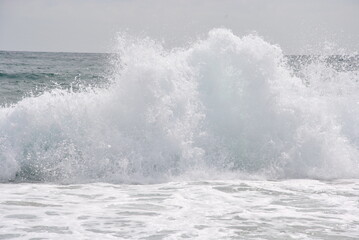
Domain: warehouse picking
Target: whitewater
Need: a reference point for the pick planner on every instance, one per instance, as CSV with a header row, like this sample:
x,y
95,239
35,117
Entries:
x,y
223,138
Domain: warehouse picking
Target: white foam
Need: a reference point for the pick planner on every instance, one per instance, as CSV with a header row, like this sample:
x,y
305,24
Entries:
x,y
224,104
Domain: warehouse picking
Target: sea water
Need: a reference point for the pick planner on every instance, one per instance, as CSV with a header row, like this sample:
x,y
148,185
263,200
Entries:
x,y
226,137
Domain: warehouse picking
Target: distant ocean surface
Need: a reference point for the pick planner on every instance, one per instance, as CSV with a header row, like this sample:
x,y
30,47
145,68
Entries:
x,y
227,138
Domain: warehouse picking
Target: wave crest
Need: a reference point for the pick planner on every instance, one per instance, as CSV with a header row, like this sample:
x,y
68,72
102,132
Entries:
x,y
223,105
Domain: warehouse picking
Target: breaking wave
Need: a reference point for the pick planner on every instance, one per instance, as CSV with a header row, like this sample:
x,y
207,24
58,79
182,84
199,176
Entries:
x,y
223,106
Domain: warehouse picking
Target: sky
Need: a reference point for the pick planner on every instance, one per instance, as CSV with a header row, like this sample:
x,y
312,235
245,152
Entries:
x,y
297,26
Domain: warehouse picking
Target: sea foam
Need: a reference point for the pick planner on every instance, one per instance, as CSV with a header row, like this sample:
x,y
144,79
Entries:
x,y
223,105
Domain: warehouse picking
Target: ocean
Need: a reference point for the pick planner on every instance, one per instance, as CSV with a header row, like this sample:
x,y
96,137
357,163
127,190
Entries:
x,y
225,138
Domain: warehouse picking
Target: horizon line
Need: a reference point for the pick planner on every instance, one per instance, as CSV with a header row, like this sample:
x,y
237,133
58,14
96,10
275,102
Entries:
x,y
34,51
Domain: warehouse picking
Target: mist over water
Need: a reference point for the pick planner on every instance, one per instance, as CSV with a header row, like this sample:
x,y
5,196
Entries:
x,y
223,107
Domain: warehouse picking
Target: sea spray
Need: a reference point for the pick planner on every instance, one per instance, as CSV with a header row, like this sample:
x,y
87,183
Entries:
x,y
223,105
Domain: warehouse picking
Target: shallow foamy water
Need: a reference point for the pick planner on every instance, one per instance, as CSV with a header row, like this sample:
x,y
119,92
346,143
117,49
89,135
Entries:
x,y
241,209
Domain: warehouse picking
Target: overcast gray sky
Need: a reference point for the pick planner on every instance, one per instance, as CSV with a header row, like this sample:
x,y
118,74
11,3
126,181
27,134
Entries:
x,y
298,26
